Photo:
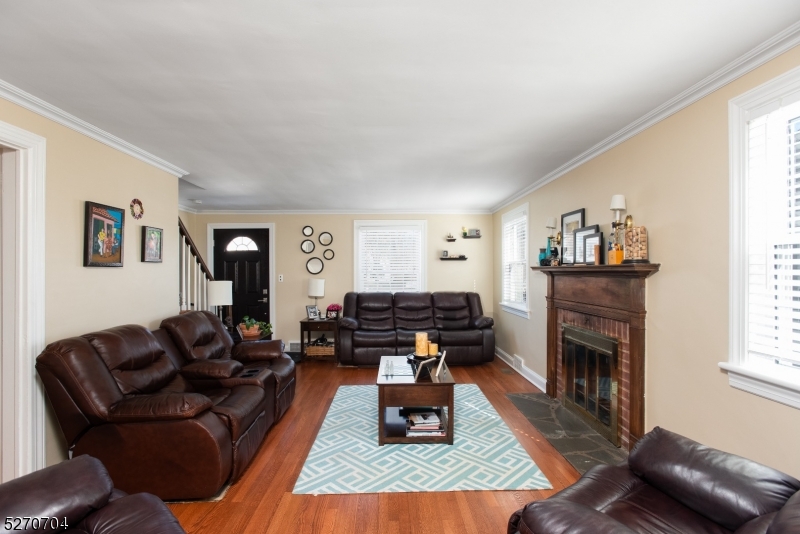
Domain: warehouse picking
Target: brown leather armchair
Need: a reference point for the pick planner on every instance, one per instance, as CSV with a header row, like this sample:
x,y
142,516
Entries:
x,y
670,484
203,342
79,494
119,397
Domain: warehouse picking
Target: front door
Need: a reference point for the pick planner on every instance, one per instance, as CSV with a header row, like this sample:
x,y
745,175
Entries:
x,y
242,256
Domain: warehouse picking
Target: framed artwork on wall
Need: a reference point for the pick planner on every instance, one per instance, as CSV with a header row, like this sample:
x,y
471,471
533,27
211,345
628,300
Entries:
x,y
569,223
580,236
103,235
152,245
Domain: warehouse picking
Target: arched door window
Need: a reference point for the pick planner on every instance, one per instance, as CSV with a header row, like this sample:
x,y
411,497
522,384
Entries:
x,y
241,243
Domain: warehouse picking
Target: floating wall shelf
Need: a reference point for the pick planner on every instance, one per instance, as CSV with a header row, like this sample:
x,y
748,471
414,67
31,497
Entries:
x,y
453,259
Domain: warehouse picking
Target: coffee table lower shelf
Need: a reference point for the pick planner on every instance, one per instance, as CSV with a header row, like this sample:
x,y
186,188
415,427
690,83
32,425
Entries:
x,y
415,395
395,427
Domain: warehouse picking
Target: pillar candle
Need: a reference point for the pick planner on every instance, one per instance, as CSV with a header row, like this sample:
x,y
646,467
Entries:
x,y
422,344
433,349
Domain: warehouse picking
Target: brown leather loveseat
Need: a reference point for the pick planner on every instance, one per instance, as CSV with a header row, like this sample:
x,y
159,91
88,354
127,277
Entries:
x,y
670,484
382,324
178,427
78,496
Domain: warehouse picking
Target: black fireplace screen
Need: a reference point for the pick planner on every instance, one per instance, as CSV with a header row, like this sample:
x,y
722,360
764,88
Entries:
x,y
590,378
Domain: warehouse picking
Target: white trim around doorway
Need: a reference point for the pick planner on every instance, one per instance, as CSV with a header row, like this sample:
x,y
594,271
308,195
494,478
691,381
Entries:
x,y
272,288
23,399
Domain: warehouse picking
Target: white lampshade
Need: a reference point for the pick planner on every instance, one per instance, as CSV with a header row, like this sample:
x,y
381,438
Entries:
x,y
551,222
316,287
618,202
220,293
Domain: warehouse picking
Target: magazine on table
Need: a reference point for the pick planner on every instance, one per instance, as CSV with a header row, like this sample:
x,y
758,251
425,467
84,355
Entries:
x,y
424,418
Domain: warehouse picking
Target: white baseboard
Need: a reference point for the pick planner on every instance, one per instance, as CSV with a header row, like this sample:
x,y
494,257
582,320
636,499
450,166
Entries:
x,y
528,374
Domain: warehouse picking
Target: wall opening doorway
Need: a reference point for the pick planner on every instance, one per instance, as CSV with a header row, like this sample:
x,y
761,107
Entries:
x,y
245,254
22,336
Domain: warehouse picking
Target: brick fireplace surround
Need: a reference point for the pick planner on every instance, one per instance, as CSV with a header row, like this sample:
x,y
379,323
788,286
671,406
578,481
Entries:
x,y
609,300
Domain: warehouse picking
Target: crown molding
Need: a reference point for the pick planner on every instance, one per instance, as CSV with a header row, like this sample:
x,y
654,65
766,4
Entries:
x,y
37,105
181,207
336,212
758,56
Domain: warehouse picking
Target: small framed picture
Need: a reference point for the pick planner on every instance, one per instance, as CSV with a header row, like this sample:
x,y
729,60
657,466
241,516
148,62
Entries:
x,y
103,234
579,236
589,243
152,244
333,314
569,223
312,312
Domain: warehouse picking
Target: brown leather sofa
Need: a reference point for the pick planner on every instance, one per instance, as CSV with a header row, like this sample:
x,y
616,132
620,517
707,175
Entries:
x,y
79,494
382,324
176,427
670,484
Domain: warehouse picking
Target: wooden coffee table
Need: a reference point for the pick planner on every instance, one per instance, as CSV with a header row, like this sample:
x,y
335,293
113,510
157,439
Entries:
x,y
400,390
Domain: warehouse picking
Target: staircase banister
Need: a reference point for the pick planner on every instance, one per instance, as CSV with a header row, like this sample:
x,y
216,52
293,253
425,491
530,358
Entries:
x,y
194,250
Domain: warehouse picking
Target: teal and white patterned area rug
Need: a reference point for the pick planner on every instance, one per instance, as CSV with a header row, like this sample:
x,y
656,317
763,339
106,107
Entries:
x,y
346,458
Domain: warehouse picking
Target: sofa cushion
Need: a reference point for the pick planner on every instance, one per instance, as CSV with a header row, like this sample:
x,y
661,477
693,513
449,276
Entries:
x,y
450,310
199,335
375,311
408,338
135,358
460,338
240,408
413,311
380,338
728,489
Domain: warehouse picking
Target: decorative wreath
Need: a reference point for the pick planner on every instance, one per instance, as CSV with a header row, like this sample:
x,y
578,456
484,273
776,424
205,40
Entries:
x,y
137,213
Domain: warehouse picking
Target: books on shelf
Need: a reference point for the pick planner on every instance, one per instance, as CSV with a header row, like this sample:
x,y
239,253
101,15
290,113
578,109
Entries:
x,y
424,418
414,422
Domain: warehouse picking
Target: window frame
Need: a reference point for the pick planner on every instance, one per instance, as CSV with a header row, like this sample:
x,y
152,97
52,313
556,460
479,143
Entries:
x,y
742,374
515,308
423,228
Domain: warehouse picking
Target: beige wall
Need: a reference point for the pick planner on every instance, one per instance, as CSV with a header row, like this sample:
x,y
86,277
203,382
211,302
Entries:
x,y
475,274
675,178
83,299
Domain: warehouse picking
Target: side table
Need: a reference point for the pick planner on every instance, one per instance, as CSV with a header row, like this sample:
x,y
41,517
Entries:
x,y
307,326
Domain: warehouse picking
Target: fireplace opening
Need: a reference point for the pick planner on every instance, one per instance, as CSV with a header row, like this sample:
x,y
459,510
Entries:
x,y
590,365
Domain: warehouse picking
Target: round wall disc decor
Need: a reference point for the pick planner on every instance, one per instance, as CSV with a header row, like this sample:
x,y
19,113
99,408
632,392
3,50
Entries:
x,y
328,254
308,231
325,239
314,265
137,210
307,246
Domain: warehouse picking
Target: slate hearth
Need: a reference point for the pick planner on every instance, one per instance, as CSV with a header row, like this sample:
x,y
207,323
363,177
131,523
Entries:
x,y
574,439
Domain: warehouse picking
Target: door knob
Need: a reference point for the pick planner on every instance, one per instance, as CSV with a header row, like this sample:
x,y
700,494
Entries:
x,y
263,300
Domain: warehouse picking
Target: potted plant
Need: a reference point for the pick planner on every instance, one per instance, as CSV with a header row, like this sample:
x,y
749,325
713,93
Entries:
x,y
333,311
253,328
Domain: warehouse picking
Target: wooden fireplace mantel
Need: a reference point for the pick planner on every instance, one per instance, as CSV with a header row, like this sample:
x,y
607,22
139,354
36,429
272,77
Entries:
x,y
609,291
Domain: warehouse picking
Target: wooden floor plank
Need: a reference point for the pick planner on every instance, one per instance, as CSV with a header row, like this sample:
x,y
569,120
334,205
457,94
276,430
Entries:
x,y
262,500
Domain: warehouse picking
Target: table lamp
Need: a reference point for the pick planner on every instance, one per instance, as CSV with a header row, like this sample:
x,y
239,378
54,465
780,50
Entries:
x,y
316,288
220,293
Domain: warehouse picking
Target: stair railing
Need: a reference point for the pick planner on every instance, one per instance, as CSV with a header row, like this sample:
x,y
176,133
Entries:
x,y
194,274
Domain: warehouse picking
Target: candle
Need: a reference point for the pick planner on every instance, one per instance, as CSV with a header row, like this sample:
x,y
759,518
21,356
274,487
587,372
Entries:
x,y
433,349
422,344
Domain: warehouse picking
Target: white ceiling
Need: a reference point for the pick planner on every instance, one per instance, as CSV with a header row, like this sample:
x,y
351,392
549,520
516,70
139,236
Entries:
x,y
370,104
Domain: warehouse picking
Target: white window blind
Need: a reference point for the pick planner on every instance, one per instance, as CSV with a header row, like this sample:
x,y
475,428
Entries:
x,y
773,237
390,256
515,261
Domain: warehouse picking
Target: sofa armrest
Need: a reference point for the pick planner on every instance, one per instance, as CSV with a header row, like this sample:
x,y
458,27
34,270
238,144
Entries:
x,y
70,489
350,323
563,517
133,514
258,351
158,407
200,369
481,321
788,518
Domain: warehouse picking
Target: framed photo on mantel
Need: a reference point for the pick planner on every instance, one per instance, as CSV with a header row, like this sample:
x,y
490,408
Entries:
x,y
569,223
580,236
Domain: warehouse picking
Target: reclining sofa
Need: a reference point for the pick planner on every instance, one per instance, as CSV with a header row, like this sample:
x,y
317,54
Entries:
x,y
382,324
670,484
77,496
176,412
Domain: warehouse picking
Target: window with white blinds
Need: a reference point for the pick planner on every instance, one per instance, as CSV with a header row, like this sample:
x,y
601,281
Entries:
x,y
390,256
515,261
765,241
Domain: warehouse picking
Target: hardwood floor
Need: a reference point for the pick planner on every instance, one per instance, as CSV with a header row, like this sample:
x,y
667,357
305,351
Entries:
x,y
262,500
